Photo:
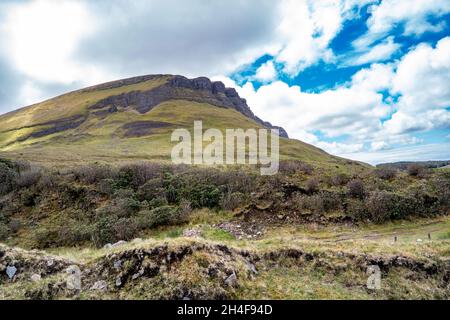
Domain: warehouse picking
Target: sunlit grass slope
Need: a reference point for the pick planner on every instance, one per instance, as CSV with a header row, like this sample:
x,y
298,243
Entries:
x,y
105,138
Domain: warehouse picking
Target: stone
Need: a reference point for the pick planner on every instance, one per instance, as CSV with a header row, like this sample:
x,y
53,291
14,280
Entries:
x,y
35,277
107,246
119,244
118,264
73,281
101,285
11,271
231,281
191,233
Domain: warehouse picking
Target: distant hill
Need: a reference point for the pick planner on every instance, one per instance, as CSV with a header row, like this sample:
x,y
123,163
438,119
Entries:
x,y
403,165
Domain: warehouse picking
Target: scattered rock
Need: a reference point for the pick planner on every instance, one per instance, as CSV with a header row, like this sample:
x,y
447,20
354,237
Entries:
x,y
419,240
118,264
73,281
191,233
101,285
119,244
11,271
231,281
35,277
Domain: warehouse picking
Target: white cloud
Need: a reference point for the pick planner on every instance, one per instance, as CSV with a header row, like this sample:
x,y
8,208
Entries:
x,y
420,79
266,72
414,15
421,152
307,28
379,145
41,37
377,53
351,109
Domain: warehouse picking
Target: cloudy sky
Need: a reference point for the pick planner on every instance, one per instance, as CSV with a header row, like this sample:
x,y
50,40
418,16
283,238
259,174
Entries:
x,y
368,80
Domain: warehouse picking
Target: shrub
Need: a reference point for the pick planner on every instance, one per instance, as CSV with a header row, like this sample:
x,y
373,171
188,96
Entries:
x,y
122,206
355,188
15,225
202,195
356,209
106,187
157,202
415,170
29,177
152,189
4,231
136,174
7,178
185,209
379,205
109,229
46,237
339,179
312,185
74,233
232,200
92,173
125,229
165,215
103,231
293,166
385,173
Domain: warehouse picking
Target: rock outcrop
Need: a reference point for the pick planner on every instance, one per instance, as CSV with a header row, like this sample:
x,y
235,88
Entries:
x,y
201,90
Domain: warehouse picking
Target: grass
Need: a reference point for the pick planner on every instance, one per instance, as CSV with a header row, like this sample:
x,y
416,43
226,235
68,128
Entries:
x,y
102,140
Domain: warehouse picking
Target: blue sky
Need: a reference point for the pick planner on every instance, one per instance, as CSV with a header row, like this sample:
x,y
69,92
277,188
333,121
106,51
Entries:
x,y
368,79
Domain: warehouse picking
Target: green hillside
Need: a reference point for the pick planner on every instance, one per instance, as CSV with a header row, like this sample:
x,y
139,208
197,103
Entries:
x,y
85,126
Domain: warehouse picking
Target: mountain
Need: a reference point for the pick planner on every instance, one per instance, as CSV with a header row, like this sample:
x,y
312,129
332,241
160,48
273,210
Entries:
x,y
132,119
403,165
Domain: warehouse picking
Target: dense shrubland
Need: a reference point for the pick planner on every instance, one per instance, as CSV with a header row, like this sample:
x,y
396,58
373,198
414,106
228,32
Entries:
x,y
102,204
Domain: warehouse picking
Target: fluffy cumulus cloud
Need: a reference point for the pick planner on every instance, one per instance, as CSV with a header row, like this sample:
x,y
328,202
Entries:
x,y
380,52
359,108
412,16
382,80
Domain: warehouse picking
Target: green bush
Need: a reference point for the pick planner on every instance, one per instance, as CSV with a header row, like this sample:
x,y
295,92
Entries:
x,y
165,215
152,189
103,231
157,202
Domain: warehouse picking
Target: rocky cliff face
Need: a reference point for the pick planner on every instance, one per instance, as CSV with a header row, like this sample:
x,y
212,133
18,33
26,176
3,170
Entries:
x,y
201,90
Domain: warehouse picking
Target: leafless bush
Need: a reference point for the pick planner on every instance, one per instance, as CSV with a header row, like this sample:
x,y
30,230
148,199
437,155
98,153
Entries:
x,y
312,185
355,188
28,178
92,173
340,179
232,200
136,174
386,173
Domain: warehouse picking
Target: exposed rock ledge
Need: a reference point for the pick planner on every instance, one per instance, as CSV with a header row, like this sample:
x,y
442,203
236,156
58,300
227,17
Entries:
x,y
201,90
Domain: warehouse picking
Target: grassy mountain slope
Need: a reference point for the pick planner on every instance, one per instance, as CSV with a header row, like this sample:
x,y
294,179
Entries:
x,y
86,126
